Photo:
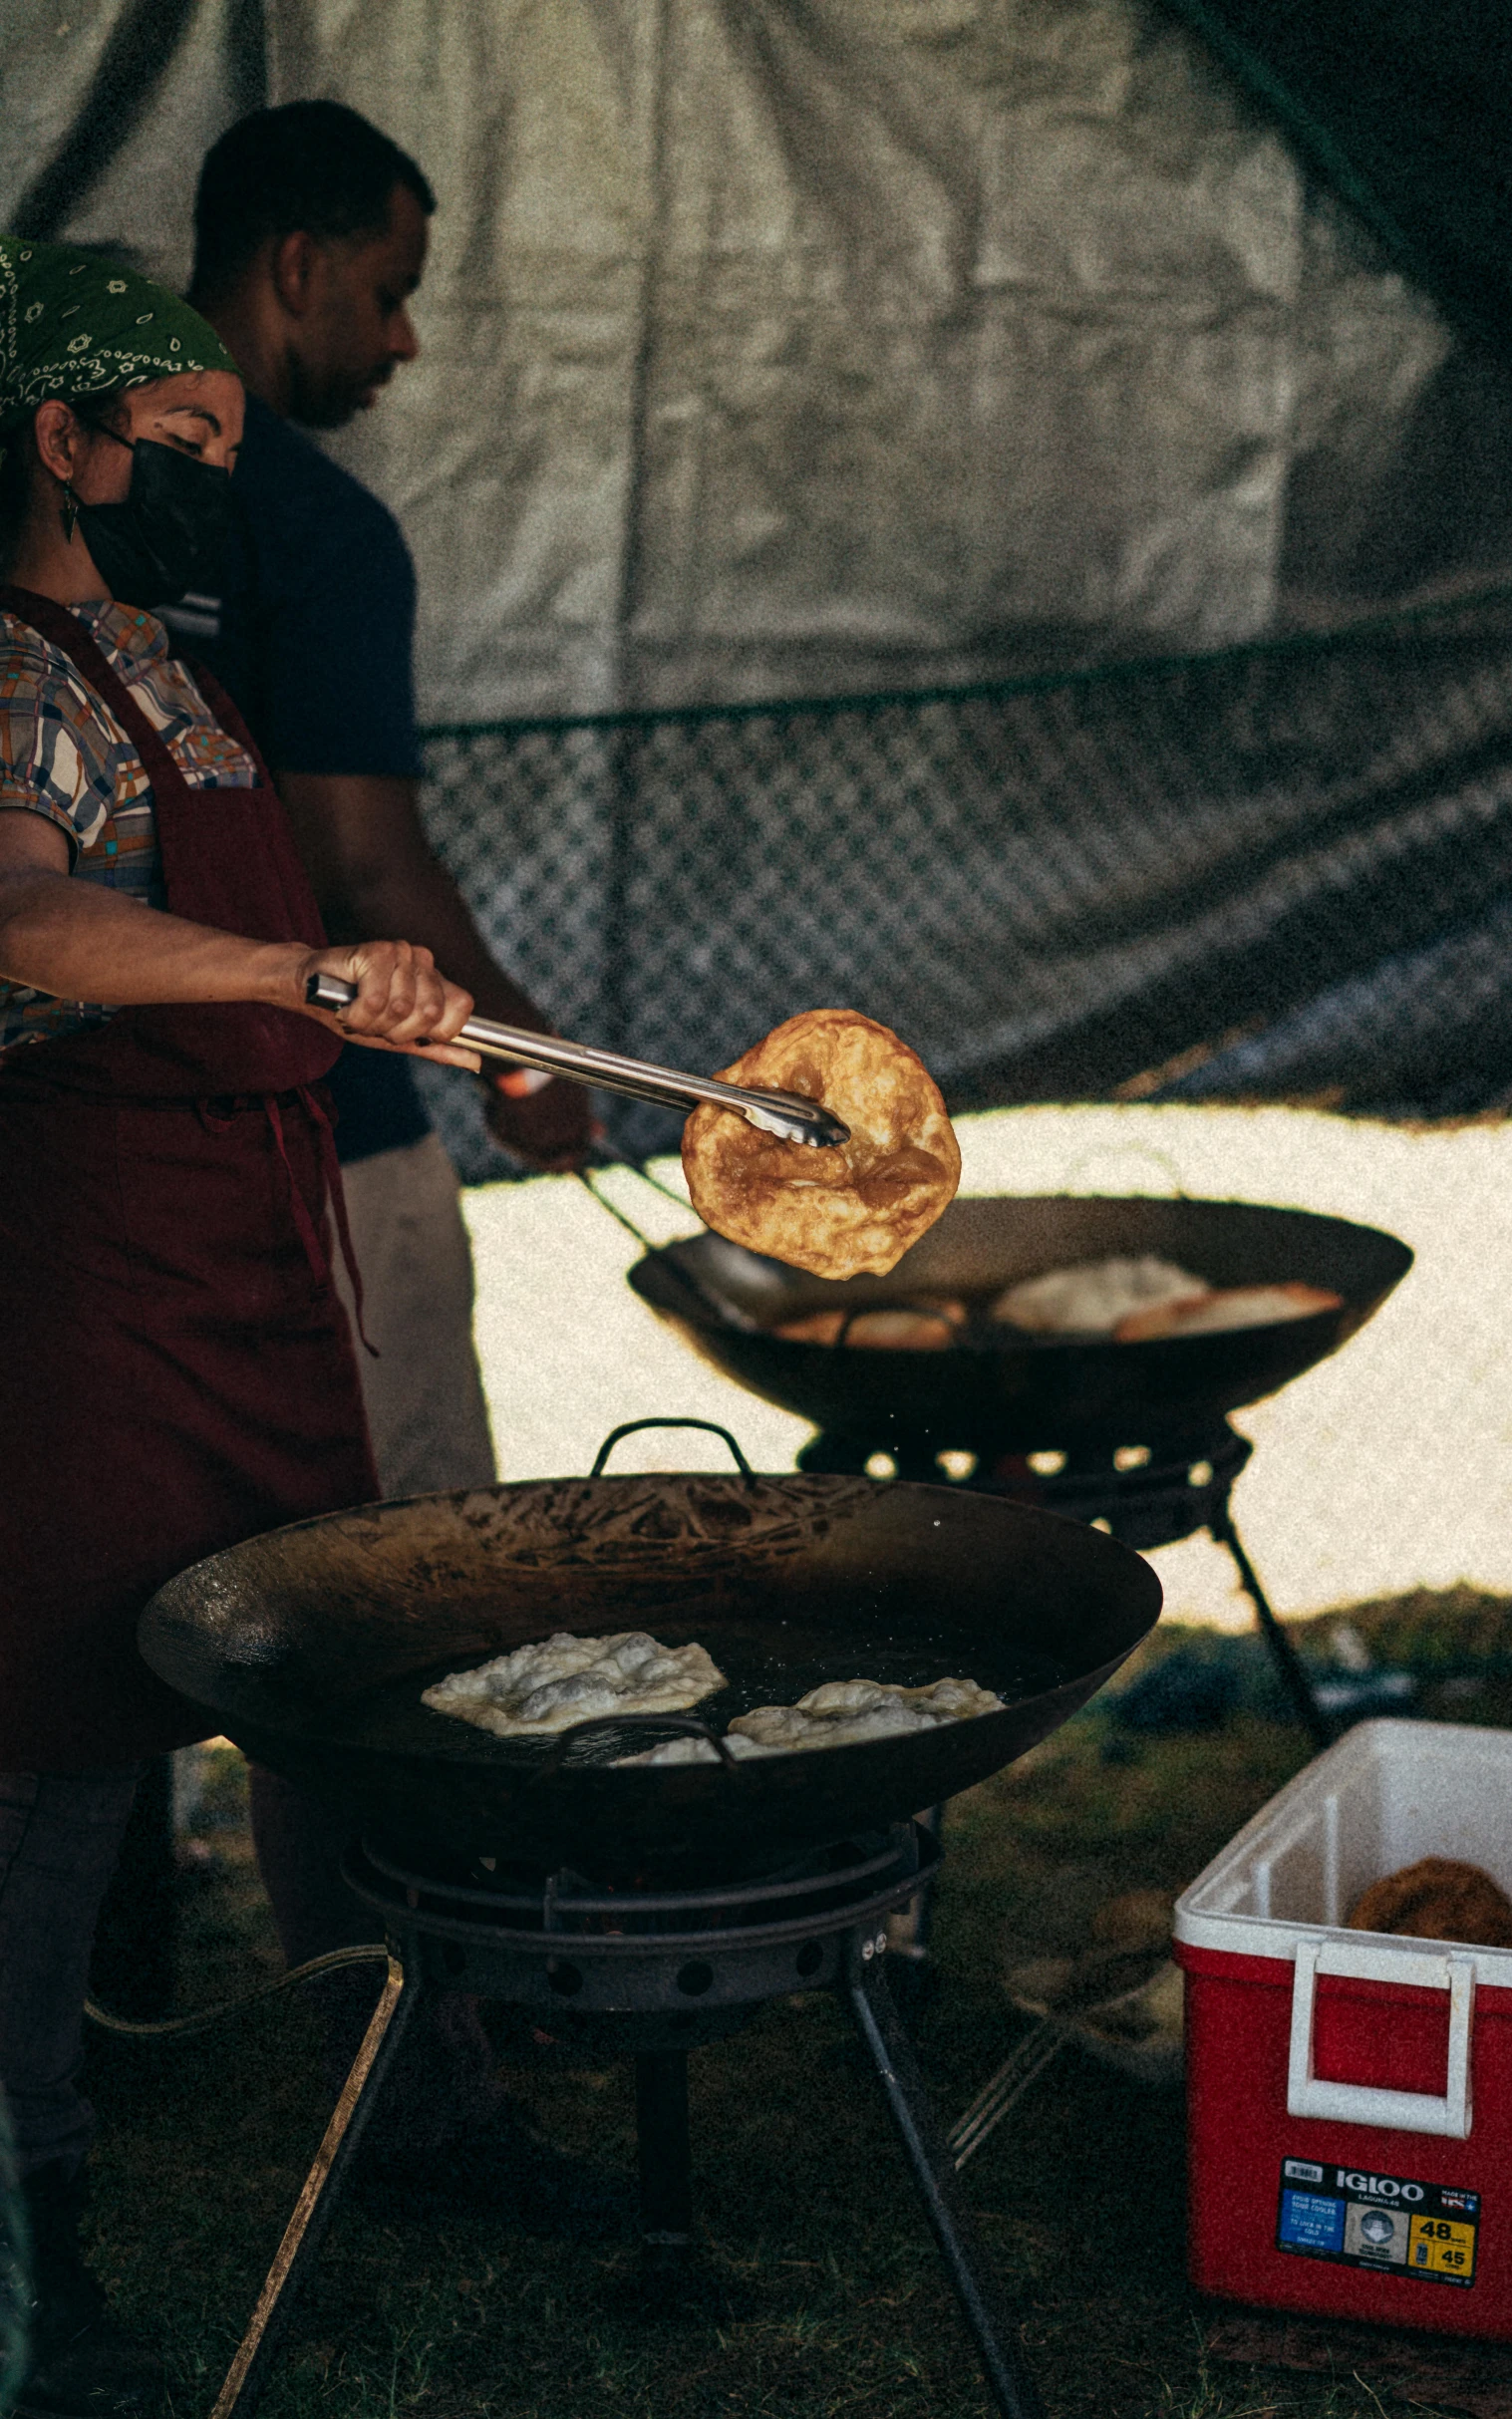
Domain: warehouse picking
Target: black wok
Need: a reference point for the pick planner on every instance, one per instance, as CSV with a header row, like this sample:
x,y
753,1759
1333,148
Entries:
x,y
310,1647
1015,1393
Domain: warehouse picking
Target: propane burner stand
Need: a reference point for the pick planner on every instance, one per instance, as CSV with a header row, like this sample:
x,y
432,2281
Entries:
x,y
648,1973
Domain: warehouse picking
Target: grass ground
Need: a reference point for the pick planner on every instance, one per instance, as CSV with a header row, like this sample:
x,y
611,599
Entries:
x,y
838,2304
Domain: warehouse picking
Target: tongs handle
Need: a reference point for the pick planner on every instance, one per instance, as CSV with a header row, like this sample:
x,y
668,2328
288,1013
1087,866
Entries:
x,y
788,1115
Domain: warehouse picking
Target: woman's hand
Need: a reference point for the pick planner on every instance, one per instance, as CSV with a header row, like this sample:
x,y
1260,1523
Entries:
x,y
401,1003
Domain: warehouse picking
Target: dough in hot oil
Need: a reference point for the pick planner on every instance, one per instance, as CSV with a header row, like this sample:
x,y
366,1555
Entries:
x,y
556,1682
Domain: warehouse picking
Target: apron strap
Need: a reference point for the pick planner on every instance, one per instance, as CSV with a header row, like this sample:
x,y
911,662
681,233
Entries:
x,y
320,1118
228,715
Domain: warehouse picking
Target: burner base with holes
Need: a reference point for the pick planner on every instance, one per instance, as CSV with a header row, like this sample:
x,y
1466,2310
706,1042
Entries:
x,y
642,1972
1143,1497
668,1966
1145,1494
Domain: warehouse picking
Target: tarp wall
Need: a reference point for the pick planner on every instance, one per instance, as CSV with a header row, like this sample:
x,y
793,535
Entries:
x,y
792,346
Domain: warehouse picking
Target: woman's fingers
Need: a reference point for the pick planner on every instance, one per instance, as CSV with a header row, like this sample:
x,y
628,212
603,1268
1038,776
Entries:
x,y
440,1054
402,1002
393,1000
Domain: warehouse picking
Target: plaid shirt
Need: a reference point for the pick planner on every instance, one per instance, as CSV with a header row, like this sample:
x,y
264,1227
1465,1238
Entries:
x,y
64,756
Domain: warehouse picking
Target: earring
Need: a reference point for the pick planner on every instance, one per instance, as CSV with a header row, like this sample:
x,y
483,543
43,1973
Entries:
x,y
68,511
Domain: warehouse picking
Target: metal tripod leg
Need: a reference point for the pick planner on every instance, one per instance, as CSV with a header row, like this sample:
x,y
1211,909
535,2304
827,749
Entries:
x,y
909,1925
662,2139
1008,2382
1288,1662
247,2376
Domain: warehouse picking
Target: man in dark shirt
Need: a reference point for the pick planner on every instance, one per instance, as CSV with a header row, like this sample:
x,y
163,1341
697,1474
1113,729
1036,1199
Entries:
x,y
312,638
310,238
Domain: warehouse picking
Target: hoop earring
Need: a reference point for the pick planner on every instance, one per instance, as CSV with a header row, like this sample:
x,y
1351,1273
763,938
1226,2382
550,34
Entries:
x,y
68,511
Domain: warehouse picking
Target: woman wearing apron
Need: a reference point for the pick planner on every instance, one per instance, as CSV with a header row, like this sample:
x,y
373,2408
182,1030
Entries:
x,y
176,1369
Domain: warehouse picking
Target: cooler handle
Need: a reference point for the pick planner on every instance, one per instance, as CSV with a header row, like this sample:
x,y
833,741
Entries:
x,y
1309,2095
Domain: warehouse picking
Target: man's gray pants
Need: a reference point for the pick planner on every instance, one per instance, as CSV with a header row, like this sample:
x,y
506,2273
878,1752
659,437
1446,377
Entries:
x,y
424,1394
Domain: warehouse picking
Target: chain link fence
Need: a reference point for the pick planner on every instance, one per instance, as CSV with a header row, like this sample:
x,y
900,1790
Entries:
x,y
1281,872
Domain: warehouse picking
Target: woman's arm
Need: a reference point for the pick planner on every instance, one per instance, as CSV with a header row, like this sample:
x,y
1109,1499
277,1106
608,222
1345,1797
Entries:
x,y
80,941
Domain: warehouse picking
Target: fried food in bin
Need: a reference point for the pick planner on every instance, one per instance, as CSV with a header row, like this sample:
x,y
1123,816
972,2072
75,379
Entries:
x,y
893,1326
839,1213
1437,1899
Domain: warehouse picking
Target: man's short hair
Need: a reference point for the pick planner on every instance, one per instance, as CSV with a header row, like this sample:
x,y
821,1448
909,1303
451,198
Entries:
x,y
311,168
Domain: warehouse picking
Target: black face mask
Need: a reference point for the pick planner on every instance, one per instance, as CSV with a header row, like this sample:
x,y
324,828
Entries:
x,y
171,532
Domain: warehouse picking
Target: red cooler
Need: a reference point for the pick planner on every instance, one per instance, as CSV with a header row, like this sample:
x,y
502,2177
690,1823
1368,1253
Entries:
x,y
1349,2094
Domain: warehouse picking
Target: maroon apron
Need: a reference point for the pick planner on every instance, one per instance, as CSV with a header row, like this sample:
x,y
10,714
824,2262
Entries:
x,y
175,1369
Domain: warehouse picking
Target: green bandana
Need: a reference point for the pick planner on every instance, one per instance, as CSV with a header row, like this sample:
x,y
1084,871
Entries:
x,y
73,323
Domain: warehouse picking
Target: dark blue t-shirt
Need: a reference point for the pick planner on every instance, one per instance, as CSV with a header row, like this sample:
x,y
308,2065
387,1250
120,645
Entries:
x,y
313,637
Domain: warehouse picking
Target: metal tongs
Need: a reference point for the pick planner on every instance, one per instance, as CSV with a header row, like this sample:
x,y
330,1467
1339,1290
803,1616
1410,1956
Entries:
x,y
788,1115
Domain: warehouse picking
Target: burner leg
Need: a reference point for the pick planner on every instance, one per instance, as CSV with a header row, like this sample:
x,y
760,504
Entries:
x,y
247,2378
666,2158
908,1931
1289,1665
1009,2381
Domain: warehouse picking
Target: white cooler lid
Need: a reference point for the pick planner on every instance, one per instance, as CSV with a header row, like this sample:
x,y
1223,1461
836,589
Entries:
x,y
1386,1794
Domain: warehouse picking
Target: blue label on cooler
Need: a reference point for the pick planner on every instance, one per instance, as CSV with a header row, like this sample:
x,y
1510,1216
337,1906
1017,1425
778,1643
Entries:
x,y
1309,2220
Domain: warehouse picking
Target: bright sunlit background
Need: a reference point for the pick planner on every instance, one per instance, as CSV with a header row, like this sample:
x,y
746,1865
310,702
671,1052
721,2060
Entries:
x,y
1388,1467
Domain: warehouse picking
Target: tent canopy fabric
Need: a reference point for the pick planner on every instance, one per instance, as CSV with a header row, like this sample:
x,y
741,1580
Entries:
x,y
789,350
905,348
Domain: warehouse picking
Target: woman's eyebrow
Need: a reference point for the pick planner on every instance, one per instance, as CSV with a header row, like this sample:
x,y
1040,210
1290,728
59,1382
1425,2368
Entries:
x,y
192,412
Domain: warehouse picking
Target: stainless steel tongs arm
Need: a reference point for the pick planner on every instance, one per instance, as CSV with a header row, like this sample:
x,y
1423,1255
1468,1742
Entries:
x,y
788,1115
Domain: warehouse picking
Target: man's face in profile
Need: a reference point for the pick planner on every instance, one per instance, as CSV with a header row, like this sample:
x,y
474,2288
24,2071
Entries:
x,y
357,328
